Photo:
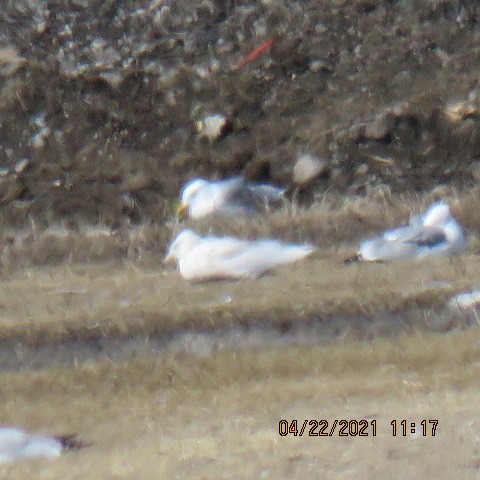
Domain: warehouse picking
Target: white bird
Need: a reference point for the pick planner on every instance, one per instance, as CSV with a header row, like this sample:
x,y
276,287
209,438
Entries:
x,y
201,198
211,258
16,444
416,220
434,233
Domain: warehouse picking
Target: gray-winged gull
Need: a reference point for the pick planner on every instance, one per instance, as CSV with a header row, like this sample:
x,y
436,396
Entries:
x,y
227,257
201,198
433,233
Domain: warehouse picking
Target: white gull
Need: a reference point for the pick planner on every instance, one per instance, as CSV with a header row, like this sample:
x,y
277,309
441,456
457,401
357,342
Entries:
x,y
227,257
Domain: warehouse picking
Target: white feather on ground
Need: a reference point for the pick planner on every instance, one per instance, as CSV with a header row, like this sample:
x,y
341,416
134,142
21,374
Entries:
x,y
226,257
201,198
433,233
16,444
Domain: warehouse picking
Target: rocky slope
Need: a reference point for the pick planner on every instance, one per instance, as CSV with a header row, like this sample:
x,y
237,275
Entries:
x,y
102,101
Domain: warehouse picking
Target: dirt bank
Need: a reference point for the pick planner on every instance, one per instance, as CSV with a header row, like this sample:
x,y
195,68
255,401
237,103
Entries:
x,y
99,100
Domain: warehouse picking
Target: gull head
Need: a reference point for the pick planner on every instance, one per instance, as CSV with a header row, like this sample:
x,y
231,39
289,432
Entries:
x,y
437,214
188,192
182,244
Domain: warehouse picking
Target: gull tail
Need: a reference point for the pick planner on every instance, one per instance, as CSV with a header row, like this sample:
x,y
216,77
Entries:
x,y
297,252
357,258
70,442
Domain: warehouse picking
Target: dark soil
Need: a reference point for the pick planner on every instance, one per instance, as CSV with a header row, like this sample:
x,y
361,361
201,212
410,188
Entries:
x,y
102,97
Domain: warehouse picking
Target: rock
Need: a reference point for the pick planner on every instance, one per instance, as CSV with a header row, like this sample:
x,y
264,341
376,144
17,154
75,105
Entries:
x,y
213,127
10,61
22,165
307,167
381,126
456,112
136,182
476,171
361,170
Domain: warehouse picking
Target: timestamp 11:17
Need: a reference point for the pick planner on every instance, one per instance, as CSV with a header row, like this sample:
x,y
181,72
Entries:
x,y
428,427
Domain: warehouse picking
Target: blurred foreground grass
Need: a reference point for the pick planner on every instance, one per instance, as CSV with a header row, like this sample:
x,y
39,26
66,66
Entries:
x,y
182,416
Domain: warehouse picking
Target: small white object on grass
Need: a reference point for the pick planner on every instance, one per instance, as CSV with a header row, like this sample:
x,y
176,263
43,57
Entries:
x,y
213,258
201,198
434,233
16,444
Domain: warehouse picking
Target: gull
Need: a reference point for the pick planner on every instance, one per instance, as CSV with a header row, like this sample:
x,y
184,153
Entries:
x,y
201,198
416,220
433,233
214,258
16,444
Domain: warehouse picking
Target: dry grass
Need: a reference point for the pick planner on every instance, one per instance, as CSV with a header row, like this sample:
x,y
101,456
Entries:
x,y
332,221
217,417
40,306
133,293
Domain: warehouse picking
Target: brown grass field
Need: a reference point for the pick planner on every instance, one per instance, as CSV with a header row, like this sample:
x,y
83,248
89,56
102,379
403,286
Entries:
x,y
111,348
218,417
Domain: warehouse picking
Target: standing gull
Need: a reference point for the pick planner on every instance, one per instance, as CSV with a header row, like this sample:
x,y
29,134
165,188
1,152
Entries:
x,y
211,258
16,444
201,198
433,233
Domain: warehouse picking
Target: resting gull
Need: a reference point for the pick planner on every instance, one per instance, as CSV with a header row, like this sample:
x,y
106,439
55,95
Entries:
x,y
433,233
200,198
16,444
227,257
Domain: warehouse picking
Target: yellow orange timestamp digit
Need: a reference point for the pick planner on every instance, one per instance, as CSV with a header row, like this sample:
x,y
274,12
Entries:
x,y
324,428
354,428
415,428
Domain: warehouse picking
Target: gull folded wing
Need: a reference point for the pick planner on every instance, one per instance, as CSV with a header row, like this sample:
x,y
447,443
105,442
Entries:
x,y
428,237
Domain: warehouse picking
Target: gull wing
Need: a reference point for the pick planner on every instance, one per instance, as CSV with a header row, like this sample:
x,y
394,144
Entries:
x,y
266,193
407,231
211,258
235,195
398,234
259,256
380,248
231,185
227,257
427,237
221,247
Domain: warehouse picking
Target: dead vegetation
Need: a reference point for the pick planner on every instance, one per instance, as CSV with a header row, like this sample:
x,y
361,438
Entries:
x,y
215,412
333,221
49,305
218,416
94,282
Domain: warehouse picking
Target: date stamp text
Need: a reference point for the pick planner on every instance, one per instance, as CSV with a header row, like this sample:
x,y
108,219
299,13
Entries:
x,y
354,428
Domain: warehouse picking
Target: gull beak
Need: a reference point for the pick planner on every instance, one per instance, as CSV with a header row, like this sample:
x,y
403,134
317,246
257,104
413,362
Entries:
x,y
182,210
